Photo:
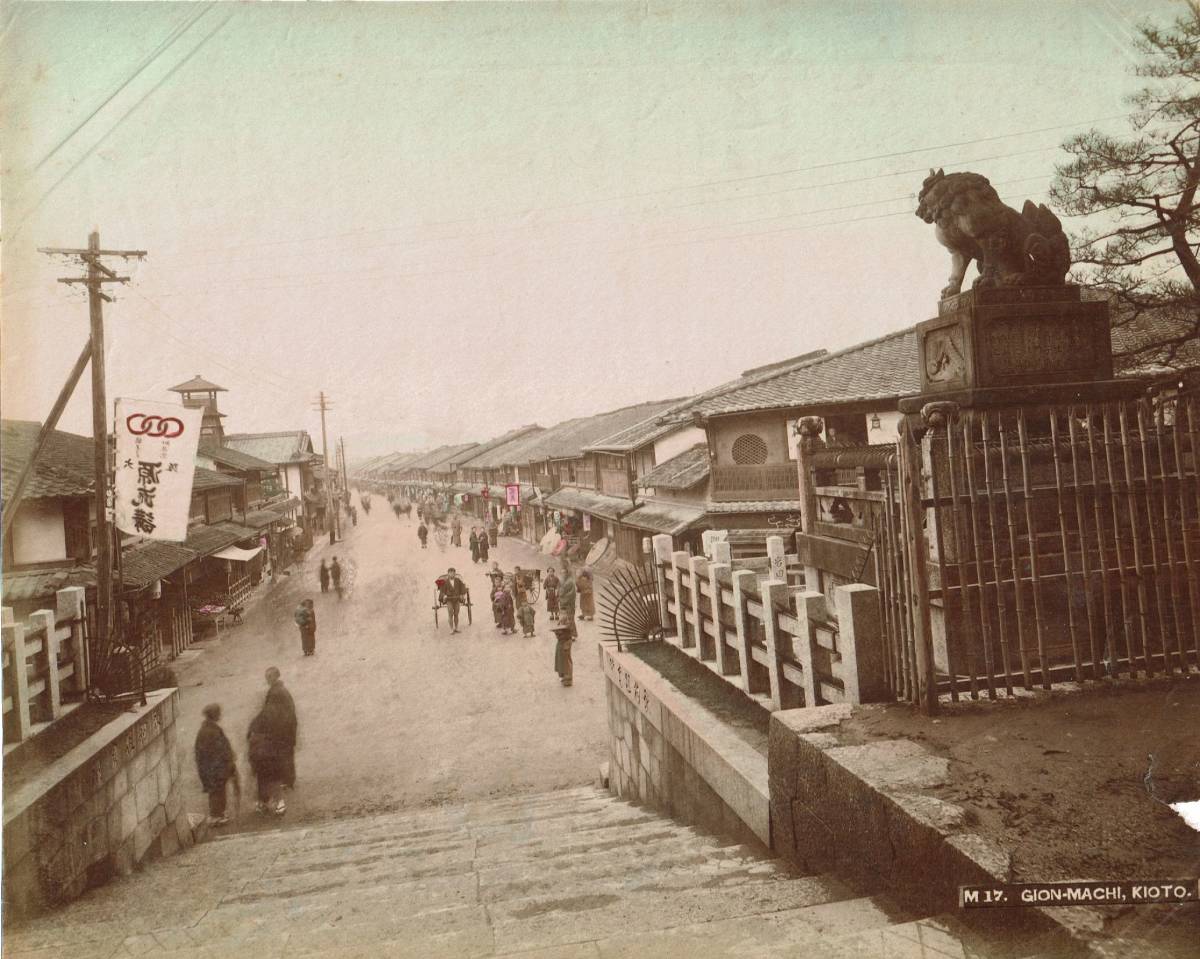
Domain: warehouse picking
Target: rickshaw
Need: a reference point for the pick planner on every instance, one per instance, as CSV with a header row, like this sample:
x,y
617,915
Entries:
x,y
438,603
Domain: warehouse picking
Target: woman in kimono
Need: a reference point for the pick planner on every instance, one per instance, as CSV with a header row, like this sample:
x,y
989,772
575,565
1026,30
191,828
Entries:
x,y
550,585
584,586
473,542
502,605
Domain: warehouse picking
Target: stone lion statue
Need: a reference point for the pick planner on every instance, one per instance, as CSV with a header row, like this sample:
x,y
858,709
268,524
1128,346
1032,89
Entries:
x,y
1011,248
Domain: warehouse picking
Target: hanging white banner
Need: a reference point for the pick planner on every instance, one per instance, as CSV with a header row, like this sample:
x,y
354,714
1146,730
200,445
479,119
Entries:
x,y
156,461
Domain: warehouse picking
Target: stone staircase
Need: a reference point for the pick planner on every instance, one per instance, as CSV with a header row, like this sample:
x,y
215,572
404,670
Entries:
x,y
573,873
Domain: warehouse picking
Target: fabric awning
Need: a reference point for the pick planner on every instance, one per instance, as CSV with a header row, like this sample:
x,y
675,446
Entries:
x,y
657,517
237,554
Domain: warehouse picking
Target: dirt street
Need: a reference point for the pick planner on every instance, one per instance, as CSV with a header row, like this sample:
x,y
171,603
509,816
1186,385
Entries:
x,y
393,712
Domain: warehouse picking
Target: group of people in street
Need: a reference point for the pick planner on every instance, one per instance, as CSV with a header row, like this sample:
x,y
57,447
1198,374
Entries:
x,y
480,543
270,748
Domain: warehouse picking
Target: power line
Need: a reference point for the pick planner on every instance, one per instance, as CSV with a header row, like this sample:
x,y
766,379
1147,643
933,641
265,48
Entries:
x,y
648,193
95,146
154,54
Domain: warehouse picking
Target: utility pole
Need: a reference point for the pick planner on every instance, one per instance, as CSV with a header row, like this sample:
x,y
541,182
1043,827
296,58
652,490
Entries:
x,y
345,479
97,275
323,404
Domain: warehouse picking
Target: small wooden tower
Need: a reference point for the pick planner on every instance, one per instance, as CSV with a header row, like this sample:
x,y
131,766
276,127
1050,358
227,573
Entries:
x,y
199,394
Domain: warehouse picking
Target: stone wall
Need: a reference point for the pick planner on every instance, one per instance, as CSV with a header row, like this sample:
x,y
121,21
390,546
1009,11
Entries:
x,y
670,753
102,809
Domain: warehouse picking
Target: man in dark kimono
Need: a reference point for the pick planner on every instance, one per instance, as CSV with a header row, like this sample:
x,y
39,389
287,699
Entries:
x,y
563,664
306,618
473,542
272,739
215,763
335,574
566,599
551,584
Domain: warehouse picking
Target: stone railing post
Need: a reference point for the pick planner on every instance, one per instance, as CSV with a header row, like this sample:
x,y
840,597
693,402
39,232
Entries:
x,y
43,620
808,430
810,607
724,666
679,562
860,642
699,570
776,594
71,604
776,560
14,641
743,580
661,556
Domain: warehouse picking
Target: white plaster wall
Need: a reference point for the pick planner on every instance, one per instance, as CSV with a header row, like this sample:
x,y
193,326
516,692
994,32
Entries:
x,y
38,535
671,445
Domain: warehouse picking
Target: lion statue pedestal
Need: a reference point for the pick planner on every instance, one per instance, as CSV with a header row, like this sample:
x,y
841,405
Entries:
x,y
1021,326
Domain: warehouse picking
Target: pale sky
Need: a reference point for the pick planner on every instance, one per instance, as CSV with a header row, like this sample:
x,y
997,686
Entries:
x,y
459,218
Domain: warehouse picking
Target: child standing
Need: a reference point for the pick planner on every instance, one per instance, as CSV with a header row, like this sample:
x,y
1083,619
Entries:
x,y
526,615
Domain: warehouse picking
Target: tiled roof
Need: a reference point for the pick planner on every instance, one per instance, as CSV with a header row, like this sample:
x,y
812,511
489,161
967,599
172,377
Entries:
x,y
148,561
26,585
65,467
206,540
210,479
570,438
1142,345
609,507
637,435
283,507
434,456
198,384
490,454
660,517
880,369
679,472
399,462
445,464
287,446
756,506
259,518
234,459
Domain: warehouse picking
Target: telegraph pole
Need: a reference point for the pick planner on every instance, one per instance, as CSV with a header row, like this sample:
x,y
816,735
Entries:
x,y
97,275
323,404
345,479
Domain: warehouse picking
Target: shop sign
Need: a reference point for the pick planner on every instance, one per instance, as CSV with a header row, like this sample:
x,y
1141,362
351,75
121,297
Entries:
x,y
512,494
155,464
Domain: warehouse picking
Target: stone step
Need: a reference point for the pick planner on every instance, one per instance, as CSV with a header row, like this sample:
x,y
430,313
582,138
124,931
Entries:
x,y
546,921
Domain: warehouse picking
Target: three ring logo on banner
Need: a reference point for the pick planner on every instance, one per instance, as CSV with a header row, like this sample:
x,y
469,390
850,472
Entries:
x,y
156,459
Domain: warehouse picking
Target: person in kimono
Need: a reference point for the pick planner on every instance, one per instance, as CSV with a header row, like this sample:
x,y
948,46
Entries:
x,y
584,587
502,606
550,585
215,763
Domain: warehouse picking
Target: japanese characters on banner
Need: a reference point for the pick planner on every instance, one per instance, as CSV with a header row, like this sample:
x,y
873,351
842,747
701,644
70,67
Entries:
x,y
512,494
156,459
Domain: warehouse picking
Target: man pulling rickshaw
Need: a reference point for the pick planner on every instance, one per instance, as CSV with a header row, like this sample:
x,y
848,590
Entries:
x,y
452,594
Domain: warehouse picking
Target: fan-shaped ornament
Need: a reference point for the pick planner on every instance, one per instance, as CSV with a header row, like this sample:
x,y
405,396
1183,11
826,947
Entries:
x,y
629,606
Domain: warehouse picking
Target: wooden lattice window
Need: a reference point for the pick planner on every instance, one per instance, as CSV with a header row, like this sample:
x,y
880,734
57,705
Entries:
x,y
749,449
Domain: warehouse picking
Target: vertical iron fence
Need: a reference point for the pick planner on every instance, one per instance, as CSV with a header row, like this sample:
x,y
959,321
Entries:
x,y
1051,543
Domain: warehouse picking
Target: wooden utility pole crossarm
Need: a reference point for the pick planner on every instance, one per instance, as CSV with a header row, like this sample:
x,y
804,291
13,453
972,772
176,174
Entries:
x,y
97,274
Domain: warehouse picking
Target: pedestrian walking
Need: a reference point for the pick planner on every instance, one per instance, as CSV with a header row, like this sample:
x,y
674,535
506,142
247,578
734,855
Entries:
x,y
215,763
502,606
584,587
525,616
306,618
453,592
323,575
456,531
353,516
483,547
423,534
566,599
563,663
473,543
493,533
272,745
550,585
335,574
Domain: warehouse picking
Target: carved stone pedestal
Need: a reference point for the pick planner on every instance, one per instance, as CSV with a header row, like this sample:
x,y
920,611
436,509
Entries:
x,y
989,346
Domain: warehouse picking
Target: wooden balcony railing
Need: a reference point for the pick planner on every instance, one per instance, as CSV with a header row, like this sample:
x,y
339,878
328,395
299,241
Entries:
x,y
777,481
